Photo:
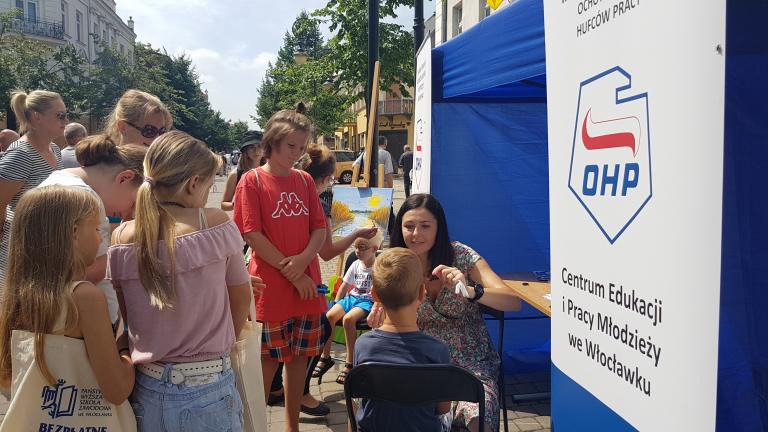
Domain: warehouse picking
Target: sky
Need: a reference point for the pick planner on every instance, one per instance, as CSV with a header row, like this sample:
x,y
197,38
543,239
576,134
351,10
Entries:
x,y
230,42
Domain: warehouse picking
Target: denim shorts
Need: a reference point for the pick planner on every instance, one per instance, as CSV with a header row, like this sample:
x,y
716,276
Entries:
x,y
161,406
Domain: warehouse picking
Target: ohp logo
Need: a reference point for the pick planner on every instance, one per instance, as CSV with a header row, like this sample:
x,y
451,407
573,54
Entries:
x,y
610,170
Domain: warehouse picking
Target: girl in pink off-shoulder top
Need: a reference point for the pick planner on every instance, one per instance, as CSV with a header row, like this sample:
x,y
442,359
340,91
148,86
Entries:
x,y
184,291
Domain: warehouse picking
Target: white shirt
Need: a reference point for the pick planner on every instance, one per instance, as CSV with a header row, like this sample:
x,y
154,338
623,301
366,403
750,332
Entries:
x,y
384,158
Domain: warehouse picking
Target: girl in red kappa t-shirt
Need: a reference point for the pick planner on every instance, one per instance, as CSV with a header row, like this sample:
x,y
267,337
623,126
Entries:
x,y
279,214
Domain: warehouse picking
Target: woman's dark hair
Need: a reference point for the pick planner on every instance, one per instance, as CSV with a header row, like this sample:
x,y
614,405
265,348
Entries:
x,y
442,251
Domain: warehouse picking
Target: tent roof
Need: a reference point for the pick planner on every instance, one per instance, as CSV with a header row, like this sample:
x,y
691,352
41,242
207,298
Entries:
x,y
502,57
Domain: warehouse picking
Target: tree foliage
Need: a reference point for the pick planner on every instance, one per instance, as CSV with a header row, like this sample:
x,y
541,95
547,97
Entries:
x,y
93,88
286,83
348,20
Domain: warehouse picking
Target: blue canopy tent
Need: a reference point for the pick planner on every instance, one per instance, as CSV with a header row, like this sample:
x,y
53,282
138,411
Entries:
x,y
489,170
489,155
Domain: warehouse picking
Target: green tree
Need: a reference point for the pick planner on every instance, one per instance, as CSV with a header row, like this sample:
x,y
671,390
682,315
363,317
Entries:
x,y
287,83
110,77
348,20
236,132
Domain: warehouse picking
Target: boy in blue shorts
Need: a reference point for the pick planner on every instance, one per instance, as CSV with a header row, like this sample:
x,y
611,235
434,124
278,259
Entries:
x,y
353,302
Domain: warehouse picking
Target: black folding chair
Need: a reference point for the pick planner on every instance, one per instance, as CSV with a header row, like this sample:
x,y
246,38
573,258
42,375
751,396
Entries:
x,y
413,385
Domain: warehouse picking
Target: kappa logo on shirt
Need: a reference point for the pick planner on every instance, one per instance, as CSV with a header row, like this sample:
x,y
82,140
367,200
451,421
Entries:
x,y
289,205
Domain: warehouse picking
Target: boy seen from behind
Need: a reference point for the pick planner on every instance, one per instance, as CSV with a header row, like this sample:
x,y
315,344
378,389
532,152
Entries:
x,y
398,285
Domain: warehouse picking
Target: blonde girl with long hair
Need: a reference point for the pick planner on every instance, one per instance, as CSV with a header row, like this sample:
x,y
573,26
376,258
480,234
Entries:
x,y
138,118
184,292
47,293
112,173
42,117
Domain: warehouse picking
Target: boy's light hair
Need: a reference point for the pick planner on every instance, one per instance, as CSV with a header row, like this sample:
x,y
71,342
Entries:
x,y
397,278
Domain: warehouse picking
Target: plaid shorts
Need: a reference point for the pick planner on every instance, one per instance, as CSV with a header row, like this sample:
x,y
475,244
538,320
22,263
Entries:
x,y
299,336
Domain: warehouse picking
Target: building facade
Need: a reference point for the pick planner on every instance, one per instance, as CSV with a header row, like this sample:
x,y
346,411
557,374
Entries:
x,y
452,17
80,23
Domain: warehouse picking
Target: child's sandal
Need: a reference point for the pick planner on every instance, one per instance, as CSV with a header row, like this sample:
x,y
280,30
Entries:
x,y
321,370
343,374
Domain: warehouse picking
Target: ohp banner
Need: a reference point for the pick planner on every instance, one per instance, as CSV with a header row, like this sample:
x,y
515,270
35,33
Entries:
x,y
635,118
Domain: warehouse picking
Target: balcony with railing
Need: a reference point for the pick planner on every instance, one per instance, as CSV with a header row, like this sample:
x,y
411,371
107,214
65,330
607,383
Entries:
x,y
402,106
36,27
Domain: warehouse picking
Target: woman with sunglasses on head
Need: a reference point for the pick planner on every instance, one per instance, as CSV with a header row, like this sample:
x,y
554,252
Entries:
x,y
250,157
138,118
42,117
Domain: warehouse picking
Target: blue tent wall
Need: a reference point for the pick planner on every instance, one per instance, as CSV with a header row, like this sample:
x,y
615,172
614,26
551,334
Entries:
x,y
742,392
492,180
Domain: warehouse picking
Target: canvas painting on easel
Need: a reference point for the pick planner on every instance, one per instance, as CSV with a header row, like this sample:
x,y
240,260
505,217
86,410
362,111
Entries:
x,y
355,208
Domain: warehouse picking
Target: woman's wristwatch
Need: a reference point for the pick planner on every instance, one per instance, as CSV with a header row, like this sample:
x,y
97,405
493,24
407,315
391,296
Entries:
x,y
479,291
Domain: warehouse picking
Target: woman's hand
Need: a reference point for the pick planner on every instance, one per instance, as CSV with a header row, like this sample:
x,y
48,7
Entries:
x,y
257,285
366,233
293,267
449,276
454,278
376,317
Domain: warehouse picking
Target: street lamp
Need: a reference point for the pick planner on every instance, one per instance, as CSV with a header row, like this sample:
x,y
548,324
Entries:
x,y
300,57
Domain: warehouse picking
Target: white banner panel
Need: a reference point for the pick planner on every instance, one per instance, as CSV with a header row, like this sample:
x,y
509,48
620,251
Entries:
x,y
422,133
635,110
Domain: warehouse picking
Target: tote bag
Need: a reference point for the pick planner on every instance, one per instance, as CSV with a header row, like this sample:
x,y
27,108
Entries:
x,y
246,363
73,403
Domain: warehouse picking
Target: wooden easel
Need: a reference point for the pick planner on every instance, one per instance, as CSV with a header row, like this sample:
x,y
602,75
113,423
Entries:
x,y
370,145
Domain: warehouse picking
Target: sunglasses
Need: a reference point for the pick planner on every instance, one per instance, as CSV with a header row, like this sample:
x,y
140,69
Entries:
x,y
148,131
62,116
362,249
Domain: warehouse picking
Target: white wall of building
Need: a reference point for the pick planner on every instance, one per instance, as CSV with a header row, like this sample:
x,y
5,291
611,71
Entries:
x,y
453,17
80,19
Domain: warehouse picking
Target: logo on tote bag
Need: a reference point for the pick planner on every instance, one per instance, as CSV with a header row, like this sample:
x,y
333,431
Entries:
x,y
59,400
610,171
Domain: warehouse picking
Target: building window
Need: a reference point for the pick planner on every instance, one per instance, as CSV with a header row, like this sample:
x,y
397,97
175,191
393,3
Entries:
x,y
79,20
122,49
104,36
32,11
457,13
64,15
96,30
485,10
20,5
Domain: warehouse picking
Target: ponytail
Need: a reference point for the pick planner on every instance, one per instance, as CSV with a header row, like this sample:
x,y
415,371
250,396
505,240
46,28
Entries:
x,y
171,161
19,107
153,223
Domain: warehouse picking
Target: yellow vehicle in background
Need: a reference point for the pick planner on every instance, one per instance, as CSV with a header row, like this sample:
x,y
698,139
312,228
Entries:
x,y
344,160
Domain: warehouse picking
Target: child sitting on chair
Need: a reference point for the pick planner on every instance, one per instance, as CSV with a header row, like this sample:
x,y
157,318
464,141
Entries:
x,y
398,286
353,302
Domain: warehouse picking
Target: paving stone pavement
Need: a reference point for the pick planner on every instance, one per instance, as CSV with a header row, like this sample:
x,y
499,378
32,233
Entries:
x,y
524,417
